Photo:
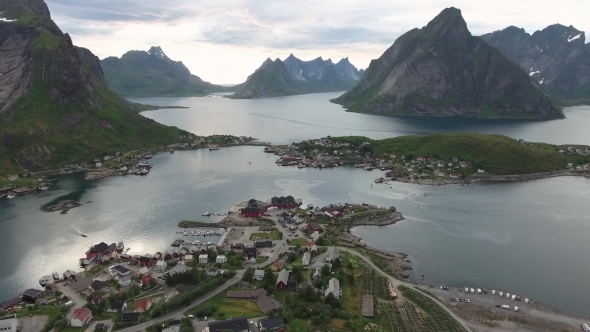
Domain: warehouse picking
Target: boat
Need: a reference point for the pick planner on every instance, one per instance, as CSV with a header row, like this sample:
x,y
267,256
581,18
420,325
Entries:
x,y
144,171
171,150
206,214
185,233
213,147
209,243
198,233
55,276
83,235
300,166
43,281
11,196
379,180
359,165
143,164
148,156
120,246
43,187
368,168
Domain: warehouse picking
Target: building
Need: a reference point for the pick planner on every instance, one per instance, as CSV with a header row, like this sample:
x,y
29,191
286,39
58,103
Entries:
x,y
143,305
212,272
145,280
125,281
69,275
161,265
259,296
333,253
97,285
203,259
239,324
249,252
82,317
101,327
130,317
118,306
9,324
188,258
258,275
282,279
315,227
251,212
263,244
306,258
121,270
173,326
145,261
32,294
10,304
271,324
313,249
333,287
220,259
144,271
265,228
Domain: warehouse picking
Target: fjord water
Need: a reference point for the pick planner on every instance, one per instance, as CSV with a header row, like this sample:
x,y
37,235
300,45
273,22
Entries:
x,y
528,238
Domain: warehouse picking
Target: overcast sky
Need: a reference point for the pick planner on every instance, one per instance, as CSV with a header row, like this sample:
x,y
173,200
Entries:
x,y
223,41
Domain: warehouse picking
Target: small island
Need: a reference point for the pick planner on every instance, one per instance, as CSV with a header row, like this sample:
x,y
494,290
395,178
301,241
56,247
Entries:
x,y
63,206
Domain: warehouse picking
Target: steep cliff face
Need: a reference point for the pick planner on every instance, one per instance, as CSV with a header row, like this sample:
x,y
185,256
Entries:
x,y
153,73
555,57
272,79
55,107
442,70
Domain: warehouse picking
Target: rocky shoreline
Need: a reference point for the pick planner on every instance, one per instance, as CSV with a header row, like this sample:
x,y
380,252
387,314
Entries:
x,y
63,206
384,220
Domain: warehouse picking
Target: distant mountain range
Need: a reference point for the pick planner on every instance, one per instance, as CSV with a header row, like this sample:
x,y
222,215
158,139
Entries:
x,y
555,57
442,70
152,73
55,106
294,76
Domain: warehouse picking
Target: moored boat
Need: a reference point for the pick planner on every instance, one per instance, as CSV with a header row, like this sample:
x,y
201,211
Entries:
x,y
120,246
83,235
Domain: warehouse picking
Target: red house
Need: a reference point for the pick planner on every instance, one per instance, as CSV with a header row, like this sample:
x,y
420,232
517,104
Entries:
x,y
32,294
145,261
315,227
283,279
251,212
146,280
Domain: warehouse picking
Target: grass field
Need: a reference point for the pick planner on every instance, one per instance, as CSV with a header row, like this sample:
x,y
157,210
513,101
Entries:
x,y
257,236
298,242
225,308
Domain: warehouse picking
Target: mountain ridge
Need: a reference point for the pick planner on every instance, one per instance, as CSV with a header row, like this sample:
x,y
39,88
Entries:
x,y
442,70
271,79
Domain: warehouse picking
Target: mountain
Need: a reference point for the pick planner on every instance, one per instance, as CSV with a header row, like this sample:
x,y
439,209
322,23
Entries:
x,y
272,79
319,75
55,106
442,70
152,73
556,57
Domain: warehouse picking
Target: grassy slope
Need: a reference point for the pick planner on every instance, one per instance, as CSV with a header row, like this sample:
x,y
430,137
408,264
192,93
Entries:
x,y
72,133
496,154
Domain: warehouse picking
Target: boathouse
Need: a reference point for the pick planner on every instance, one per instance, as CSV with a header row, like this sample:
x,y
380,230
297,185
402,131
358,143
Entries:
x,y
251,212
145,261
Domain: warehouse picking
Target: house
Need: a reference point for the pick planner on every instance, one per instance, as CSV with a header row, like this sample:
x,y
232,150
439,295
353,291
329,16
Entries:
x,y
118,306
306,258
125,281
161,265
239,324
315,236
203,258
96,300
333,253
236,246
82,317
276,265
143,305
69,275
9,324
50,288
144,271
146,280
251,212
220,259
81,283
316,274
130,317
265,228
333,287
315,227
270,324
313,249
32,294
173,326
145,261
188,258
121,270
10,304
179,268
282,279
263,244
249,251
212,272
97,285
258,275
101,327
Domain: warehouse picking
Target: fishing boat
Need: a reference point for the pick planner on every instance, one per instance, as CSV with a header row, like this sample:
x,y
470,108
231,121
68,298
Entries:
x,y
43,281
148,156
120,246
144,171
83,235
55,276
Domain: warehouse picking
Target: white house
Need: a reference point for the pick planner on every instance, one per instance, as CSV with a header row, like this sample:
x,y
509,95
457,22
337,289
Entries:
x,y
212,272
81,317
188,258
203,259
306,258
220,259
333,287
98,165
315,236
479,170
333,253
125,280
161,265
258,274
9,324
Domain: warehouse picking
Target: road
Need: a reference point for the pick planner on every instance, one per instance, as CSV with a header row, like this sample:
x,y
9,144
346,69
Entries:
x,y
178,313
68,291
396,283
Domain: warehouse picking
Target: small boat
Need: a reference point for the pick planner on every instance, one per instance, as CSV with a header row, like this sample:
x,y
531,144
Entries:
x,y
171,151
55,276
208,243
144,171
43,281
206,214
43,187
368,168
198,233
11,196
148,156
120,246
185,233
83,235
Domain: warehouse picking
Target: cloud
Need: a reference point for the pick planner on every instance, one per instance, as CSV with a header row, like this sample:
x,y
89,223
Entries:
x,y
207,35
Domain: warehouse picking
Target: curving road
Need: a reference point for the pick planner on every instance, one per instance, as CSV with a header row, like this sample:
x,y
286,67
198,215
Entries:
x,y
398,282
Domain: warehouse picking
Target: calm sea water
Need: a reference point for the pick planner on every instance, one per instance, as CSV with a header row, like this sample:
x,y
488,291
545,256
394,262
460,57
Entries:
x,y
528,238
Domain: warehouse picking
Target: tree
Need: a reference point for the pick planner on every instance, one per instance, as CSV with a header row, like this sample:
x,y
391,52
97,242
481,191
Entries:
x,y
332,301
316,320
248,275
320,241
337,263
153,282
60,324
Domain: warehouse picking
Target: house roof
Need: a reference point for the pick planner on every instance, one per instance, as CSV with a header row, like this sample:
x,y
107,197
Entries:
x,y
125,278
101,247
121,269
144,259
263,243
117,305
250,209
97,285
272,323
32,292
213,269
236,324
144,270
82,314
145,280
314,226
69,273
277,264
100,326
182,289
175,322
283,276
259,273
130,316
10,303
249,250
142,304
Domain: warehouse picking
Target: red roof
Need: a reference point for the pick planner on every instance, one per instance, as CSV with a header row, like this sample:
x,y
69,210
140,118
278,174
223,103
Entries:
x,y
145,280
142,304
309,244
83,314
277,264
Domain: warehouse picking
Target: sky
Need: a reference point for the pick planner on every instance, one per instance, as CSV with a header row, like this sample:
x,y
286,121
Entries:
x,y
224,41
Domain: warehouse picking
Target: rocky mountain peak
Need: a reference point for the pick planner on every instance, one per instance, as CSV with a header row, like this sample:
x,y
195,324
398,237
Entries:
x,y
448,24
157,52
37,7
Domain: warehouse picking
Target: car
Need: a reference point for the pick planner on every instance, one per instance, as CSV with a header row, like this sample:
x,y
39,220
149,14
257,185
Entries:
x,y
191,316
205,319
497,306
452,299
70,303
467,301
312,261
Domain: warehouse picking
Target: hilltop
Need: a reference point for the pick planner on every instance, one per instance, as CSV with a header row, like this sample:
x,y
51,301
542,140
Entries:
x,y
153,73
55,106
442,70
272,79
